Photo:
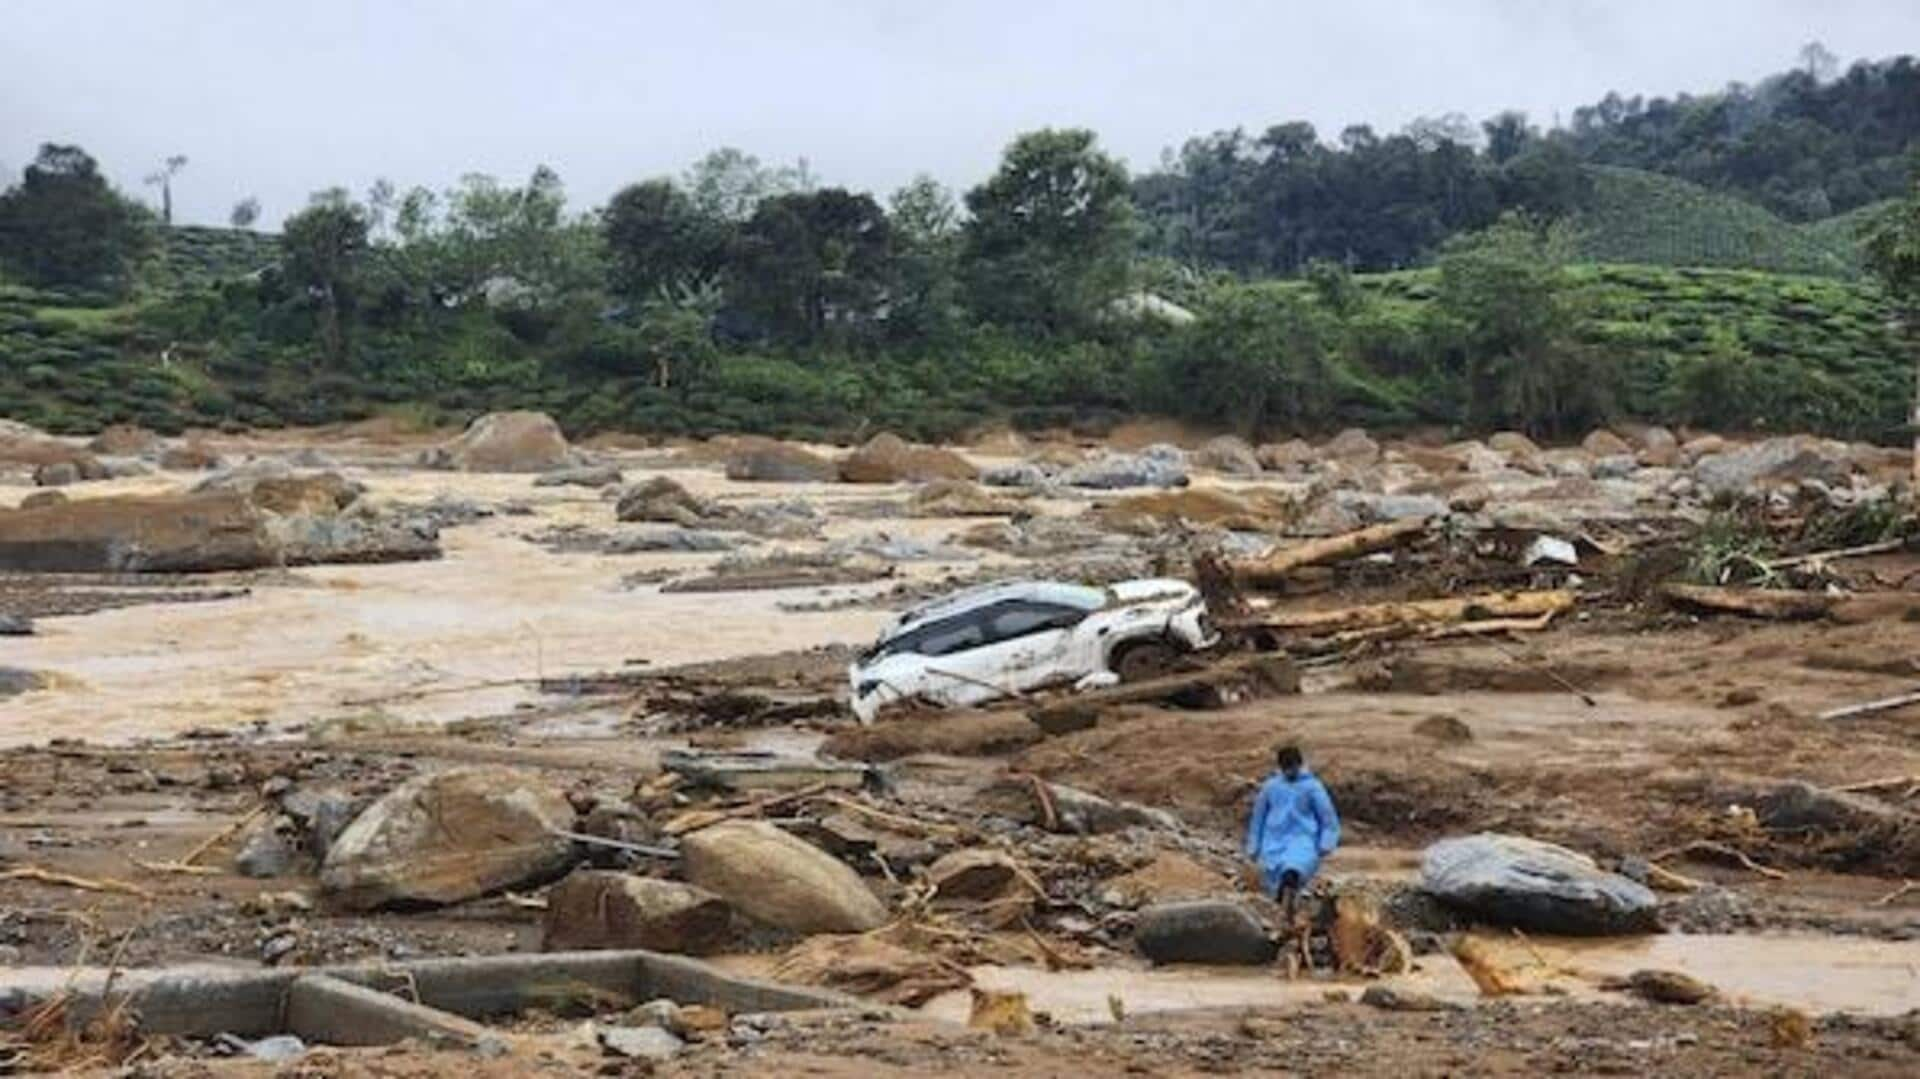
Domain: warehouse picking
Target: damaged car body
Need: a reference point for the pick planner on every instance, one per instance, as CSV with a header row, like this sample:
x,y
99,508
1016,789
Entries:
x,y
1006,639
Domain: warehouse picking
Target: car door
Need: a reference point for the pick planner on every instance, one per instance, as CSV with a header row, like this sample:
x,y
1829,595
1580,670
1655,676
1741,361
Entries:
x,y
1022,644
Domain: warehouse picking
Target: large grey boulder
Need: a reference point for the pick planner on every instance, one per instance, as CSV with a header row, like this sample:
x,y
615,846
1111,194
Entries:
x,y
1158,465
1202,931
448,837
597,909
779,880
1777,460
1539,887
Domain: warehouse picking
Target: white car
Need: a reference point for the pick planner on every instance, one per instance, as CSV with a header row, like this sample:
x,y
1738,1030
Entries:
x,y
1004,639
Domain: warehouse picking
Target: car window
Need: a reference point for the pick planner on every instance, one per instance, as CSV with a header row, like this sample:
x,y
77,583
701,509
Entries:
x,y
987,625
1017,619
953,635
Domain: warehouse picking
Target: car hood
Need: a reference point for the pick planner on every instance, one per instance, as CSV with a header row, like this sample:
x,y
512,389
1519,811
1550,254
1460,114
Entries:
x,y
1168,589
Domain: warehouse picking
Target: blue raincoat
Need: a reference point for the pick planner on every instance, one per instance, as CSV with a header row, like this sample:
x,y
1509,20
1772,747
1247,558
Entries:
x,y
1293,826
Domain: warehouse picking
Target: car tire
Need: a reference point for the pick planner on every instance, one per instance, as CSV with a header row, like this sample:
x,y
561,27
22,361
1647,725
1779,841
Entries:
x,y
1141,660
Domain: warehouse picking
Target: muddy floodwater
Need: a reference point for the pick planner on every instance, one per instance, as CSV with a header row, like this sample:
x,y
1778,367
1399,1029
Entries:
x,y
418,642
1815,974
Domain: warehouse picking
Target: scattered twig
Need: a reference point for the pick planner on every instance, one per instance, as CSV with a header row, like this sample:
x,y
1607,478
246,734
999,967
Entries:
x,y
1055,959
437,691
1879,784
1821,557
892,821
1885,900
706,818
1708,846
1049,813
65,880
233,828
616,844
524,902
1884,704
176,867
1543,667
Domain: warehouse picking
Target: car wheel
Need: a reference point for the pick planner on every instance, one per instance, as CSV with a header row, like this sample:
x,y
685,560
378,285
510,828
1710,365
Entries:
x,y
1143,660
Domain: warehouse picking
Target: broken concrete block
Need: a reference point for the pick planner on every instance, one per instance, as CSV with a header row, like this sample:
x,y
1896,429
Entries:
x,y
1202,931
778,880
594,909
448,837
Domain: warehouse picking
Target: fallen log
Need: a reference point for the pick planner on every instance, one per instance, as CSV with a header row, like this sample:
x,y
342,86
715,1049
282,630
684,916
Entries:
x,y
1494,605
1274,566
1778,604
1262,675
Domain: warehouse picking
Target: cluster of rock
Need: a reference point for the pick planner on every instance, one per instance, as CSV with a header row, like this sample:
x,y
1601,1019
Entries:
x,y
115,453
256,515
885,458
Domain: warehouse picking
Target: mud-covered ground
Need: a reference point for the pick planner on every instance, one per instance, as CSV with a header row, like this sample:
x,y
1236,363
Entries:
x,y
1626,730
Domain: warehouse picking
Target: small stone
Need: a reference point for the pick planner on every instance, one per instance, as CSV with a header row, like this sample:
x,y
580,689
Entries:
x,y
640,1043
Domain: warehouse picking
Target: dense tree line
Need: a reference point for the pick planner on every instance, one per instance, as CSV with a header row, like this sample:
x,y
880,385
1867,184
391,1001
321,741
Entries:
x,y
743,295
1804,144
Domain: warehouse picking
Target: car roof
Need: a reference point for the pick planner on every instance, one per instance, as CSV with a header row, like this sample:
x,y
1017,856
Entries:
x,y
1064,593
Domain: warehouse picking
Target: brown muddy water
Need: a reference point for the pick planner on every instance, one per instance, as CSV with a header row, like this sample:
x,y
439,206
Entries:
x,y
1815,974
410,642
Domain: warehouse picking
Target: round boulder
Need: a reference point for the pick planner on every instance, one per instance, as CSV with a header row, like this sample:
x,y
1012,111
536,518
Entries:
x,y
779,880
887,458
506,442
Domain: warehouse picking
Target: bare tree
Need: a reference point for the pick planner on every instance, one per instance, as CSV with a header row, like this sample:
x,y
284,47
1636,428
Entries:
x,y
162,178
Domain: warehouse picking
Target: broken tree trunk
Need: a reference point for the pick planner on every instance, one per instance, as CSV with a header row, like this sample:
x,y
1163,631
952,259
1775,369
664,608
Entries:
x,y
1774,603
1213,686
1274,567
1501,605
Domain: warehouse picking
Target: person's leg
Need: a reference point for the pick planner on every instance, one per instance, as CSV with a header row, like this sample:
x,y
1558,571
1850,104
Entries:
x,y
1289,894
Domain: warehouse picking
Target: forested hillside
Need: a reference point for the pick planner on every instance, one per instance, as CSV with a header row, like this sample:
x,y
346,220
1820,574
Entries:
x,y
1694,260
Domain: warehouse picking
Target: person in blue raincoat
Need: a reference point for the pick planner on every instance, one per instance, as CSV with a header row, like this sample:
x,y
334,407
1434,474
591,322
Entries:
x,y
1293,825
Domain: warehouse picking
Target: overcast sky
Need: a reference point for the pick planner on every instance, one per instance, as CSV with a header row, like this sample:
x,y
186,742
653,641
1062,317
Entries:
x,y
277,99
